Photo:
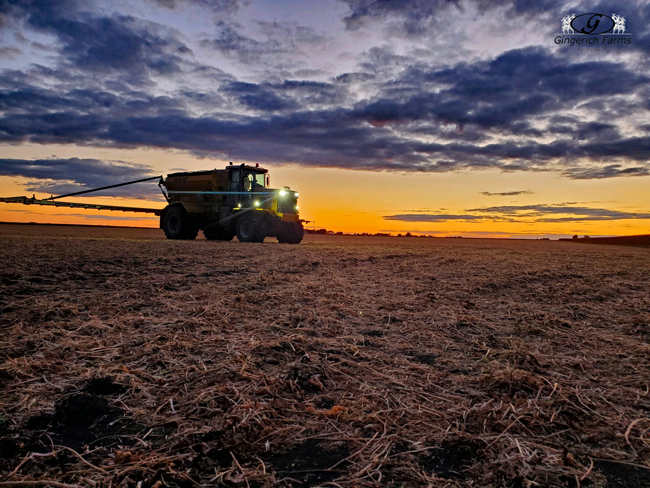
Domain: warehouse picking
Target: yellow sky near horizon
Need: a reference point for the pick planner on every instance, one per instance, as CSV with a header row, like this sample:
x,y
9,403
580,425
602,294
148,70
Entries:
x,y
357,201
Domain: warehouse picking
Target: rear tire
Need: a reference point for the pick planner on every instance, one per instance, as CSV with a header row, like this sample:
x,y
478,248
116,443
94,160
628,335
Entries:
x,y
191,234
177,225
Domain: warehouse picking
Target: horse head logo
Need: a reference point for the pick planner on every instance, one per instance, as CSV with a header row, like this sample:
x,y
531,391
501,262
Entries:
x,y
619,24
566,24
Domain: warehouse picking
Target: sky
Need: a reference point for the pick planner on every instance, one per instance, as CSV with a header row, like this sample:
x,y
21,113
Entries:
x,y
424,116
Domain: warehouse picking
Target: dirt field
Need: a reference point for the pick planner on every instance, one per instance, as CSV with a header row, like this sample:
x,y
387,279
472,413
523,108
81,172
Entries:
x,y
129,360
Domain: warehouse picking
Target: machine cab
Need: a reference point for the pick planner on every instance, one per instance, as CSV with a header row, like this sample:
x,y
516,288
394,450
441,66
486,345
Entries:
x,y
245,181
248,178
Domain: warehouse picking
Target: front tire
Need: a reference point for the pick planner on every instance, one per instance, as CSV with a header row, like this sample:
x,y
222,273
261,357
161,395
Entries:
x,y
292,233
250,228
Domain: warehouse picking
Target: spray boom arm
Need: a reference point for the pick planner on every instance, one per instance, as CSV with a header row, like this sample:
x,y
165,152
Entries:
x,y
50,202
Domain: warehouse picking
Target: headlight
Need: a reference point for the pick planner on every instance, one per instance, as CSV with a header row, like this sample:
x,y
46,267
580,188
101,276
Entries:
x,y
297,207
239,205
257,204
283,193
296,194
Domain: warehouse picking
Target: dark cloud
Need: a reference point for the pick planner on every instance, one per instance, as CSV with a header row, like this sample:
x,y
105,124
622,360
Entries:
x,y
540,213
230,42
279,44
505,93
440,218
86,215
135,48
332,137
20,9
61,111
609,171
413,16
284,96
525,214
422,17
59,176
417,17
10,52
229,6
120,43
259,97
506,193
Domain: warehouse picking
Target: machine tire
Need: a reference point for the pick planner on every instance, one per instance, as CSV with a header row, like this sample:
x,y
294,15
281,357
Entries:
x,y
191,234
218,234
176,224
250,228
292,233
262,230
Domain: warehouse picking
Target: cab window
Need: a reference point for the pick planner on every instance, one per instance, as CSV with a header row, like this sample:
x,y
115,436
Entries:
x,y
254,181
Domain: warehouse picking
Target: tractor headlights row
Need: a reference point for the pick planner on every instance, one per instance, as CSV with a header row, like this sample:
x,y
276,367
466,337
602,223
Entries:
x,y
257,204
282,193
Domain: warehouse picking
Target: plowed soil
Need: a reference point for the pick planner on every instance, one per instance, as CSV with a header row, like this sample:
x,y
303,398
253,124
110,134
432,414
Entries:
x,y
130,360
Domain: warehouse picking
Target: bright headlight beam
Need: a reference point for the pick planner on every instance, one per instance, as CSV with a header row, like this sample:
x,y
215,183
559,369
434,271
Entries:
x,y
257,204
283,193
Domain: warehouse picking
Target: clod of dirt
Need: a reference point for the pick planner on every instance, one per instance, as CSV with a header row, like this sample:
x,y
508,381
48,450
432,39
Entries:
x,y
104,386
325,403
213,435
373,333
79,420
450,460
8,446
83,410
284,347
622,475
309,464
426,359
305,379
5,378
213,458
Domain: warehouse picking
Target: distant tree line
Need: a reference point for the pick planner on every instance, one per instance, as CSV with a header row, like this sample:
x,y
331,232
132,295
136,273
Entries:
x,y
367,234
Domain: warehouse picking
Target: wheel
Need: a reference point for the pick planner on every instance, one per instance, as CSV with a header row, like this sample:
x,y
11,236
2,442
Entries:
x,y
250,228
176,224
218,234
292,233
191,234
262,231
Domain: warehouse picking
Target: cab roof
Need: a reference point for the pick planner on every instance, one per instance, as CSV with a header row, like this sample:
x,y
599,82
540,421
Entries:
x,y
252,169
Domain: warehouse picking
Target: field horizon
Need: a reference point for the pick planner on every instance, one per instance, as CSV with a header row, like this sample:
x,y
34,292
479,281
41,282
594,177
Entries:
x,y
636,239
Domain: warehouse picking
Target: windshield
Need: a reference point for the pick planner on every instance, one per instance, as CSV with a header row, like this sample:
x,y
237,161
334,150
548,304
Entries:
x,y
254,181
